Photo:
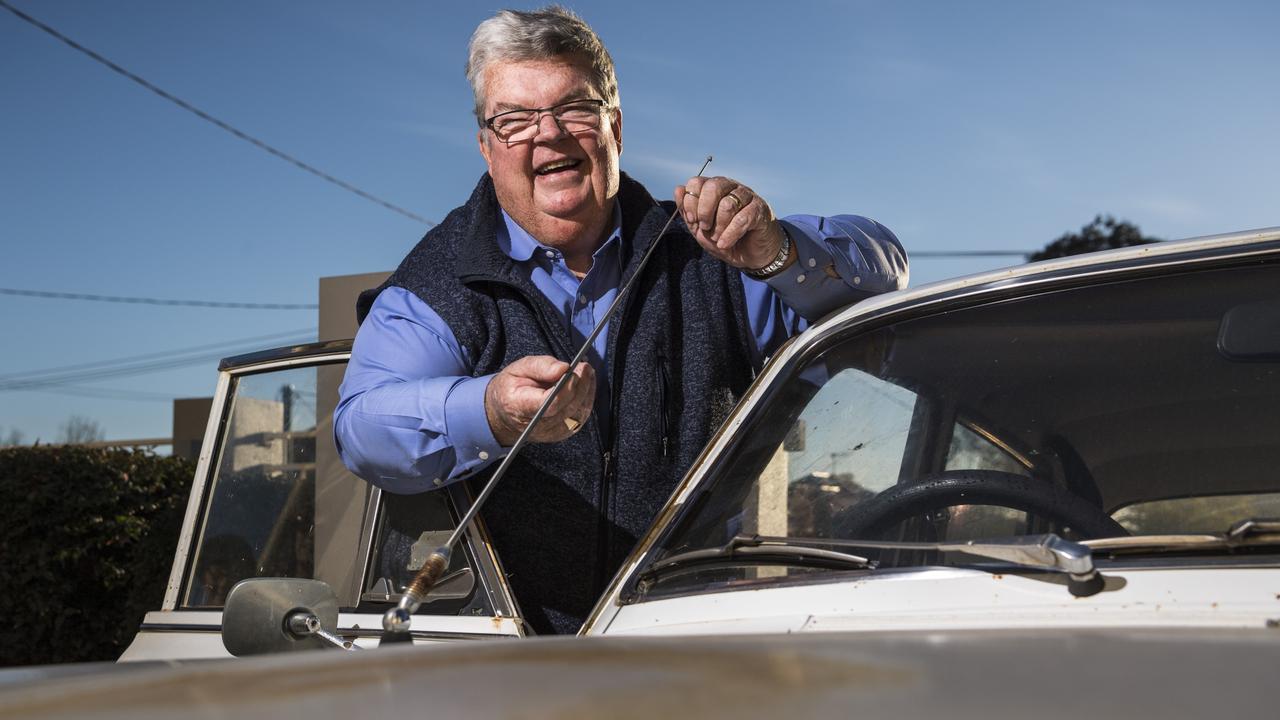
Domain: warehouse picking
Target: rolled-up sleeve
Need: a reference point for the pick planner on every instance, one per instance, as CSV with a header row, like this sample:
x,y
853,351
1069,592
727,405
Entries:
x,y
410,417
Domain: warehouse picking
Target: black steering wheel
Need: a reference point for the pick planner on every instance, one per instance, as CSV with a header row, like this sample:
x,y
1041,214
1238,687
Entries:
x,y
874,516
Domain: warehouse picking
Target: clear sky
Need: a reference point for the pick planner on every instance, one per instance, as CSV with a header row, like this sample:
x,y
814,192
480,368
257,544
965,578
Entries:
x,y
961,126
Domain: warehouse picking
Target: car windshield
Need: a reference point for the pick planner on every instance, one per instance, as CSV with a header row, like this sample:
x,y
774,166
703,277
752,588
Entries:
x,y
1139,407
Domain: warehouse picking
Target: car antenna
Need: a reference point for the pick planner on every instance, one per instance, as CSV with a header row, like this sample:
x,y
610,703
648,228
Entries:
x,y
396,621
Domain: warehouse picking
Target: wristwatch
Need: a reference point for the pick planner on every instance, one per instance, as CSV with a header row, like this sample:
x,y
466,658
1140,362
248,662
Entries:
x,y
779,262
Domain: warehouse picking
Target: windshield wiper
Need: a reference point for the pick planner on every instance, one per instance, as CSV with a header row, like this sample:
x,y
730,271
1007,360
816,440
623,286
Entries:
x,y
754,549
1253,532
1039,552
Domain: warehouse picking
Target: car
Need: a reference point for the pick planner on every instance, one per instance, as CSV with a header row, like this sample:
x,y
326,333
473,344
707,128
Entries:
x,y
1046,489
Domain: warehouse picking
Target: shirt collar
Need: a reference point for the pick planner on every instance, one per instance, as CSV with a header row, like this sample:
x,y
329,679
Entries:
x,y
519,245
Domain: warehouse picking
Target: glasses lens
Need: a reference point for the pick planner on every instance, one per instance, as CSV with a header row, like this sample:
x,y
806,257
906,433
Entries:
x,y
522,125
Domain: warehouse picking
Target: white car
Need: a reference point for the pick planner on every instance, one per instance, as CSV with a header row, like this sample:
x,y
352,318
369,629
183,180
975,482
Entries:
x,y
1050,489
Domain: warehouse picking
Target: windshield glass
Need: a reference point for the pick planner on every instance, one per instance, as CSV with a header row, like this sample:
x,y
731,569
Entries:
x,y
1146,406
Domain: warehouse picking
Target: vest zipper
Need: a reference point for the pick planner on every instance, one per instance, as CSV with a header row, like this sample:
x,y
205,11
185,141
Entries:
x,y
664,382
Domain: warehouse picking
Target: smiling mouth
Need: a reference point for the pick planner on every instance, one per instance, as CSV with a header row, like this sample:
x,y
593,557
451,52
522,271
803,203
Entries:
x,y
557,166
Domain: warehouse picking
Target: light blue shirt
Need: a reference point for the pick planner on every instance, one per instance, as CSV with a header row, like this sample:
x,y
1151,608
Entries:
x,y
411,417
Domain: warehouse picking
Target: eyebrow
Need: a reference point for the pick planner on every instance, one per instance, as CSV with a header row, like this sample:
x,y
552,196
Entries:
x,y
567,97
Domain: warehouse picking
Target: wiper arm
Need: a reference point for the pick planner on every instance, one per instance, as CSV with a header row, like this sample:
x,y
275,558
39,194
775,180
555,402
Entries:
x,y
1255,530
1040,552
754,548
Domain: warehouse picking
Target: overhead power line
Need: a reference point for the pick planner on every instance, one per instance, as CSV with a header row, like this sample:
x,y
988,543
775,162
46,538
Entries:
x,y
211,119
257,341
963,253
88,372
157,301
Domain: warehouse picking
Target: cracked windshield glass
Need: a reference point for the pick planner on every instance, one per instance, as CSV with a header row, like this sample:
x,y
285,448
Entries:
x,y
1139,407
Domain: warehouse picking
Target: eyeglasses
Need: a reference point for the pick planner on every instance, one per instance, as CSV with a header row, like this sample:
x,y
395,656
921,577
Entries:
x,y
521,125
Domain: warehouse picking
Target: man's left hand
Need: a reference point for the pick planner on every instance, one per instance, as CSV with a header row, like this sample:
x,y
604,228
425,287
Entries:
x,y
730,221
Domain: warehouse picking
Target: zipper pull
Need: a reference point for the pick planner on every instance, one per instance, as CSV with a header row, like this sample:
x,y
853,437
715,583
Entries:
x,y
607,457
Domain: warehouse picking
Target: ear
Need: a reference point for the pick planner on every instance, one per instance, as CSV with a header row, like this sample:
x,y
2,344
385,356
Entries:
x,y
482,139
616,126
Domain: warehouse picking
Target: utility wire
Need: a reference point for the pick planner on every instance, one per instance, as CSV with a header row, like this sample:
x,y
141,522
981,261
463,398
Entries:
x,y
110,394
256,341
913,254
122,370
156,301
209,118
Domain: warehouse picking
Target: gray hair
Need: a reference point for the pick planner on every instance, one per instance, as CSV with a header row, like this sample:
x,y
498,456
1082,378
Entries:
x,y
552,32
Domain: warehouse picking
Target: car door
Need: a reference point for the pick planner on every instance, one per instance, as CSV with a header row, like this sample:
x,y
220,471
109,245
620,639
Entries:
x,y
271,498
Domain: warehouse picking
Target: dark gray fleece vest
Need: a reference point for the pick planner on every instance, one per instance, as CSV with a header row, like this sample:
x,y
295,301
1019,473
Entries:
x,y
566,515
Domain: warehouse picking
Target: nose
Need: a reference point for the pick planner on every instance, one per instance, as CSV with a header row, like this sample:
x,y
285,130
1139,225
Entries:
x,y
557,130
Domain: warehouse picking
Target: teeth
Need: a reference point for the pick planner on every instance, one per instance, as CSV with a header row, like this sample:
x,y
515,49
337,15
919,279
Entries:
x,y
549,167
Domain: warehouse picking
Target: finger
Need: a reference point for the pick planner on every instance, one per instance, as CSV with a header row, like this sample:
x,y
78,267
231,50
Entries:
x,y
688,206
749,219
587,391
709,202
687,199
733,205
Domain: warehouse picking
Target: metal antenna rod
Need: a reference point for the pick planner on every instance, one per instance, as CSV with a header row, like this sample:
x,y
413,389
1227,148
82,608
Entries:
x,y
397,619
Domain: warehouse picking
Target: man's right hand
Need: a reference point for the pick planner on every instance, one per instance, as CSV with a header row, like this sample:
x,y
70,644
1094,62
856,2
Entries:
x,y
516,393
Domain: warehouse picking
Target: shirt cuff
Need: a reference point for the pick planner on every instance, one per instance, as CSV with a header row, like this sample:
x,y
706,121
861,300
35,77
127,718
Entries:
x,y
811,285
467,426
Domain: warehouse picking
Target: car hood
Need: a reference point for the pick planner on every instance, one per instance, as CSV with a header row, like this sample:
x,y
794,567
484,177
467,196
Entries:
x,y
1192,673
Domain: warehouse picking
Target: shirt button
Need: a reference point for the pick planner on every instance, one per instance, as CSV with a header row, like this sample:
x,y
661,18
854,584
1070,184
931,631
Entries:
x,y
813,262
582,298
483,455
551,253
800,278
857,281
438,482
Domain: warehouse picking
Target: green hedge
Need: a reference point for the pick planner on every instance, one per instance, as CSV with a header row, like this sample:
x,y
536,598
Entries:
x,y
86,543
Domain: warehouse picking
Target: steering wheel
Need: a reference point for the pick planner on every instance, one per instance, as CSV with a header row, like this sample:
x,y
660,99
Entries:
x,y
872,517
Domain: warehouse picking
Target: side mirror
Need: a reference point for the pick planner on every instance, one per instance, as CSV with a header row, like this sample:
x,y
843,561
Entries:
x,y
273,615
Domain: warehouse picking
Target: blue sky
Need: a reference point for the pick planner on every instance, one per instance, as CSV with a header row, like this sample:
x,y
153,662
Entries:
x,y
962,126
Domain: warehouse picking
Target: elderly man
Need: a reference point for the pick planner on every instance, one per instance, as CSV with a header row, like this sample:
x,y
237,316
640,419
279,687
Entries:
x,y
458,348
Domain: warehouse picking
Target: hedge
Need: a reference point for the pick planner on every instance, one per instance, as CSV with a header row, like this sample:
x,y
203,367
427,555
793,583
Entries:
x,y
86,542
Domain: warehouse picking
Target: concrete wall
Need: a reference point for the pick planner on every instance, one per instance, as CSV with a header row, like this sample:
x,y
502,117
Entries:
x,y
190,417
338,303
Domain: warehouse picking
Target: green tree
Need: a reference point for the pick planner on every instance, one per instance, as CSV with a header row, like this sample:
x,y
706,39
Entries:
x,y
1104,233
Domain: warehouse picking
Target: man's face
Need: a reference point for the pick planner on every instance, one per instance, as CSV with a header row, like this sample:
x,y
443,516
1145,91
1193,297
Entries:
x,y
558,186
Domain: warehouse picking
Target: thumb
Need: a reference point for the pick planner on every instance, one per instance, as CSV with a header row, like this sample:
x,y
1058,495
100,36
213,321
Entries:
x,y
543,369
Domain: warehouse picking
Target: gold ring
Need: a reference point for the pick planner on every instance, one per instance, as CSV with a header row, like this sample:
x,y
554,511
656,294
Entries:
x,y
736,201
572,424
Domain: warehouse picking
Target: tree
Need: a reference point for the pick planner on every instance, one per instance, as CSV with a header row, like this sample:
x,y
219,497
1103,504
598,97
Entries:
x,y
1104,233
12,438
79,429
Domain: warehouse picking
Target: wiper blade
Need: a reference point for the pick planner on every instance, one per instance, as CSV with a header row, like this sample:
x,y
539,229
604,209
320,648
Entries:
x,y
757,549
1039,552
1252,532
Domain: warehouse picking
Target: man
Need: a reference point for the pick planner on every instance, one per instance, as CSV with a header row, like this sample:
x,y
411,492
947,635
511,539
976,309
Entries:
x,y
459,347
